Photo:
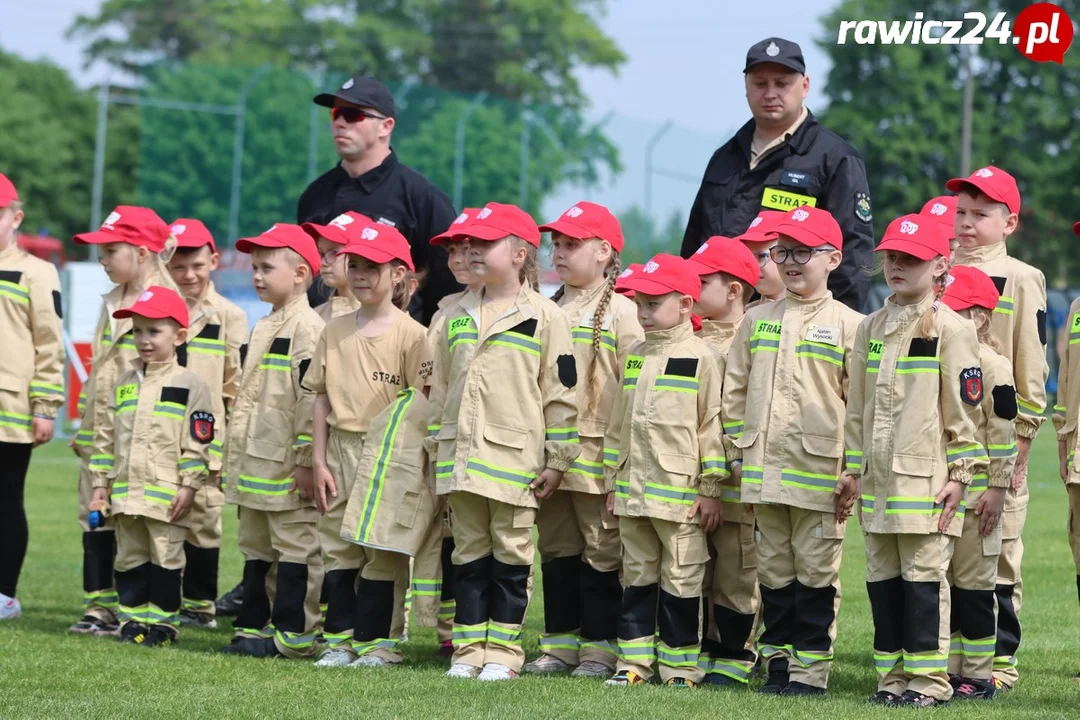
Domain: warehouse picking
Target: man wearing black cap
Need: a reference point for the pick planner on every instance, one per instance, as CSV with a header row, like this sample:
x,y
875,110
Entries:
x,y
784,158
370,180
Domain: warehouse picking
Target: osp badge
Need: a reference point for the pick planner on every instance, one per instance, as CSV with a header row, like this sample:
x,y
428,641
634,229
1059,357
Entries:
x,y
862,207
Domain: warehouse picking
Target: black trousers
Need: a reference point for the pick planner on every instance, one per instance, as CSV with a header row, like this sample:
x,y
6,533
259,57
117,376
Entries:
x,y
14,535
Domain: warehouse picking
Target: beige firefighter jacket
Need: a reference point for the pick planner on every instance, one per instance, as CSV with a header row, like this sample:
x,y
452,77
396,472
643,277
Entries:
x,y
1068,403
996,423
336,306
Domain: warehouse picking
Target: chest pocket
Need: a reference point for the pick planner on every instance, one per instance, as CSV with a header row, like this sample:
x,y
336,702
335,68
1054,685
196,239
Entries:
x,y
786,189
208,342
1006,303
169,412
520,337
276,366
674,403
920,370
12,289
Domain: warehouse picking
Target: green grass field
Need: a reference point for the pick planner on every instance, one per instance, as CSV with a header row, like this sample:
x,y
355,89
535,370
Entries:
x,y
46,673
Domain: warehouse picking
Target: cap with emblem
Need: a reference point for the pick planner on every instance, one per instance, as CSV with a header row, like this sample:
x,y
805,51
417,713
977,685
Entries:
x,y
916,235
285,235
342,230
761,227
1076,228
156,303
191,233
810,226
496,221
970,287
665,274
724,255
380,244
8,194
995,183
138,226
361,91
587,220
457,228
620,285
776,50
943,209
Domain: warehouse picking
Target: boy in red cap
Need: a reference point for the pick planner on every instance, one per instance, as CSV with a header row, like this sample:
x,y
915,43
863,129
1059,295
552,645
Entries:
x,y
987,210
31,327
1066,412
729,272
132,240
268,452
784,395
943,209
361,363
759,239
912,450
151,455
502,431
330,239
578,542
973,573
664,461
218,328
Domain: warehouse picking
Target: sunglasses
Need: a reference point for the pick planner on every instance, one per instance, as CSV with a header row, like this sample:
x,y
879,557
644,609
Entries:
x,y
351,114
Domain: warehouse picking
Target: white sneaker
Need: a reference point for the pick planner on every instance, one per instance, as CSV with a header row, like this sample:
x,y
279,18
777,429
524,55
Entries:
x,y
495,671
592,669
461,670
10,609
546,665
370,661
334,657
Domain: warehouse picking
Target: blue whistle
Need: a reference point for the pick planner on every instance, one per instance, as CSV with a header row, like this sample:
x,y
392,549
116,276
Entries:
x,y
96,519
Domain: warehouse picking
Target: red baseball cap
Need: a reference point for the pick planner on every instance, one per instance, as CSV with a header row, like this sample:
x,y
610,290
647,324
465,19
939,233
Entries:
x,y
157,302
342,230
458,228
761,227
721,254
943,209
970,287
995,183
632,268
917,235
285,235
810,226
191,233
8,193
380,244
138,226
588,220
665,274
496,221
1076,228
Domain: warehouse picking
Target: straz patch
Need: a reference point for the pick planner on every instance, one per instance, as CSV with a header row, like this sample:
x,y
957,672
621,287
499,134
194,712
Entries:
x,y
775,199
971,385
825,334
202,427
862,207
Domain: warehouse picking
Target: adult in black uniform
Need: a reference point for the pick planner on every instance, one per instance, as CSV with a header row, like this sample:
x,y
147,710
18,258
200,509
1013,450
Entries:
x,y
370,180
784,158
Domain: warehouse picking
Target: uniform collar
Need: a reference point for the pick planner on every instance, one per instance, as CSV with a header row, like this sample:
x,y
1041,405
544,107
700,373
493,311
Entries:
x,y
717,331
155,369
800,141
904,314
374,177
576,296
522,308
10,251
346,303
290,309
798,304
982,254
656,339
206,305
781,139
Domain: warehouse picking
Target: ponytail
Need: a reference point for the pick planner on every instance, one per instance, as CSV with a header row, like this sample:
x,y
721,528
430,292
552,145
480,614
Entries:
x,y
927,324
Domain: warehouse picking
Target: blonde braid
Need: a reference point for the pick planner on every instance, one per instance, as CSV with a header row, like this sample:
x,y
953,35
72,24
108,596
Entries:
x,y
926,323
611,273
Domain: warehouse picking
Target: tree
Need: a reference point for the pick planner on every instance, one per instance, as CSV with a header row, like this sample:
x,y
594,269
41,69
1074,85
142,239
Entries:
x,y
643,239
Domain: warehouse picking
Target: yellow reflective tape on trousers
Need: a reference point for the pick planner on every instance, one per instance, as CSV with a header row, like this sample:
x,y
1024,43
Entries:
x,y
774,199
378,476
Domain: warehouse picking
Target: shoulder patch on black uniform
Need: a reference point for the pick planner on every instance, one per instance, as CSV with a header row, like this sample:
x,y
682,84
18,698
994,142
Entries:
x,y
211,332
862,207
304,365
971,387
1005,406
280,346
1040,319
181,355
681,367
11,276
176,395
999,283
202,427
58,304
567,370
923,347
243,354
528,327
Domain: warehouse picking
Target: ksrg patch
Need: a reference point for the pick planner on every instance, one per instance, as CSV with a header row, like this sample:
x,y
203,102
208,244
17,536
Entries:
x,y
202,427
971,385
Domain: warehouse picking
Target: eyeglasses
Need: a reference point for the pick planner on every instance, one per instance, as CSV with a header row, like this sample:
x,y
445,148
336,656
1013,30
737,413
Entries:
x,y
762,258
331,253
800,255
351,114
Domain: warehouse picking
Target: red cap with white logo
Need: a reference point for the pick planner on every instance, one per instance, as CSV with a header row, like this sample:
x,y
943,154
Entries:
x,y
970,287
995,183
8,193
497,221
342,230
665,274
381,244
916,235
285,235
620,286
458,229
191,233
138,226
587,220
810,226
943,209
724,255
1076,228
761,227
156,303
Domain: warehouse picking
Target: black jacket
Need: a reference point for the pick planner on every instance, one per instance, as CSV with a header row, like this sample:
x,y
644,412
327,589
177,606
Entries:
x,y
813,163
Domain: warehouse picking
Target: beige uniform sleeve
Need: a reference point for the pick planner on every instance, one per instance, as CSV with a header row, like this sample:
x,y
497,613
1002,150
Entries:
x,y
736,377
613,434
103,454
236,334
315,377
417,362
855,364
959,356
304,344
709,430
558,380
47,385
999,405
1029,353
628,333
1061,408
196,436
440,381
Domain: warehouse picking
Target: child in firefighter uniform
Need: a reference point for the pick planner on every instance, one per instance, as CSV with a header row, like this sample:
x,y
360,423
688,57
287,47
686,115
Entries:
x,y
729,272
361,363
268,453
217,330
784,392
988,203
759,239
503,431
912,450
31,383
578,539
130,240
1066,411
973,572
330,239
151,449
664,462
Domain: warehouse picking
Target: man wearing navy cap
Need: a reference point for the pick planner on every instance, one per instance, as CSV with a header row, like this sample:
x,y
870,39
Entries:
x,y
782,159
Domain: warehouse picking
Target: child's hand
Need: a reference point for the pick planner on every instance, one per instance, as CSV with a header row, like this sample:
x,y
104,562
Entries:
x,y
1020,471
846,496
609,504
43,430
950,495
99,499
215,479
989,509
181,505
547,483
323,481
711,511
304,482
1063,460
